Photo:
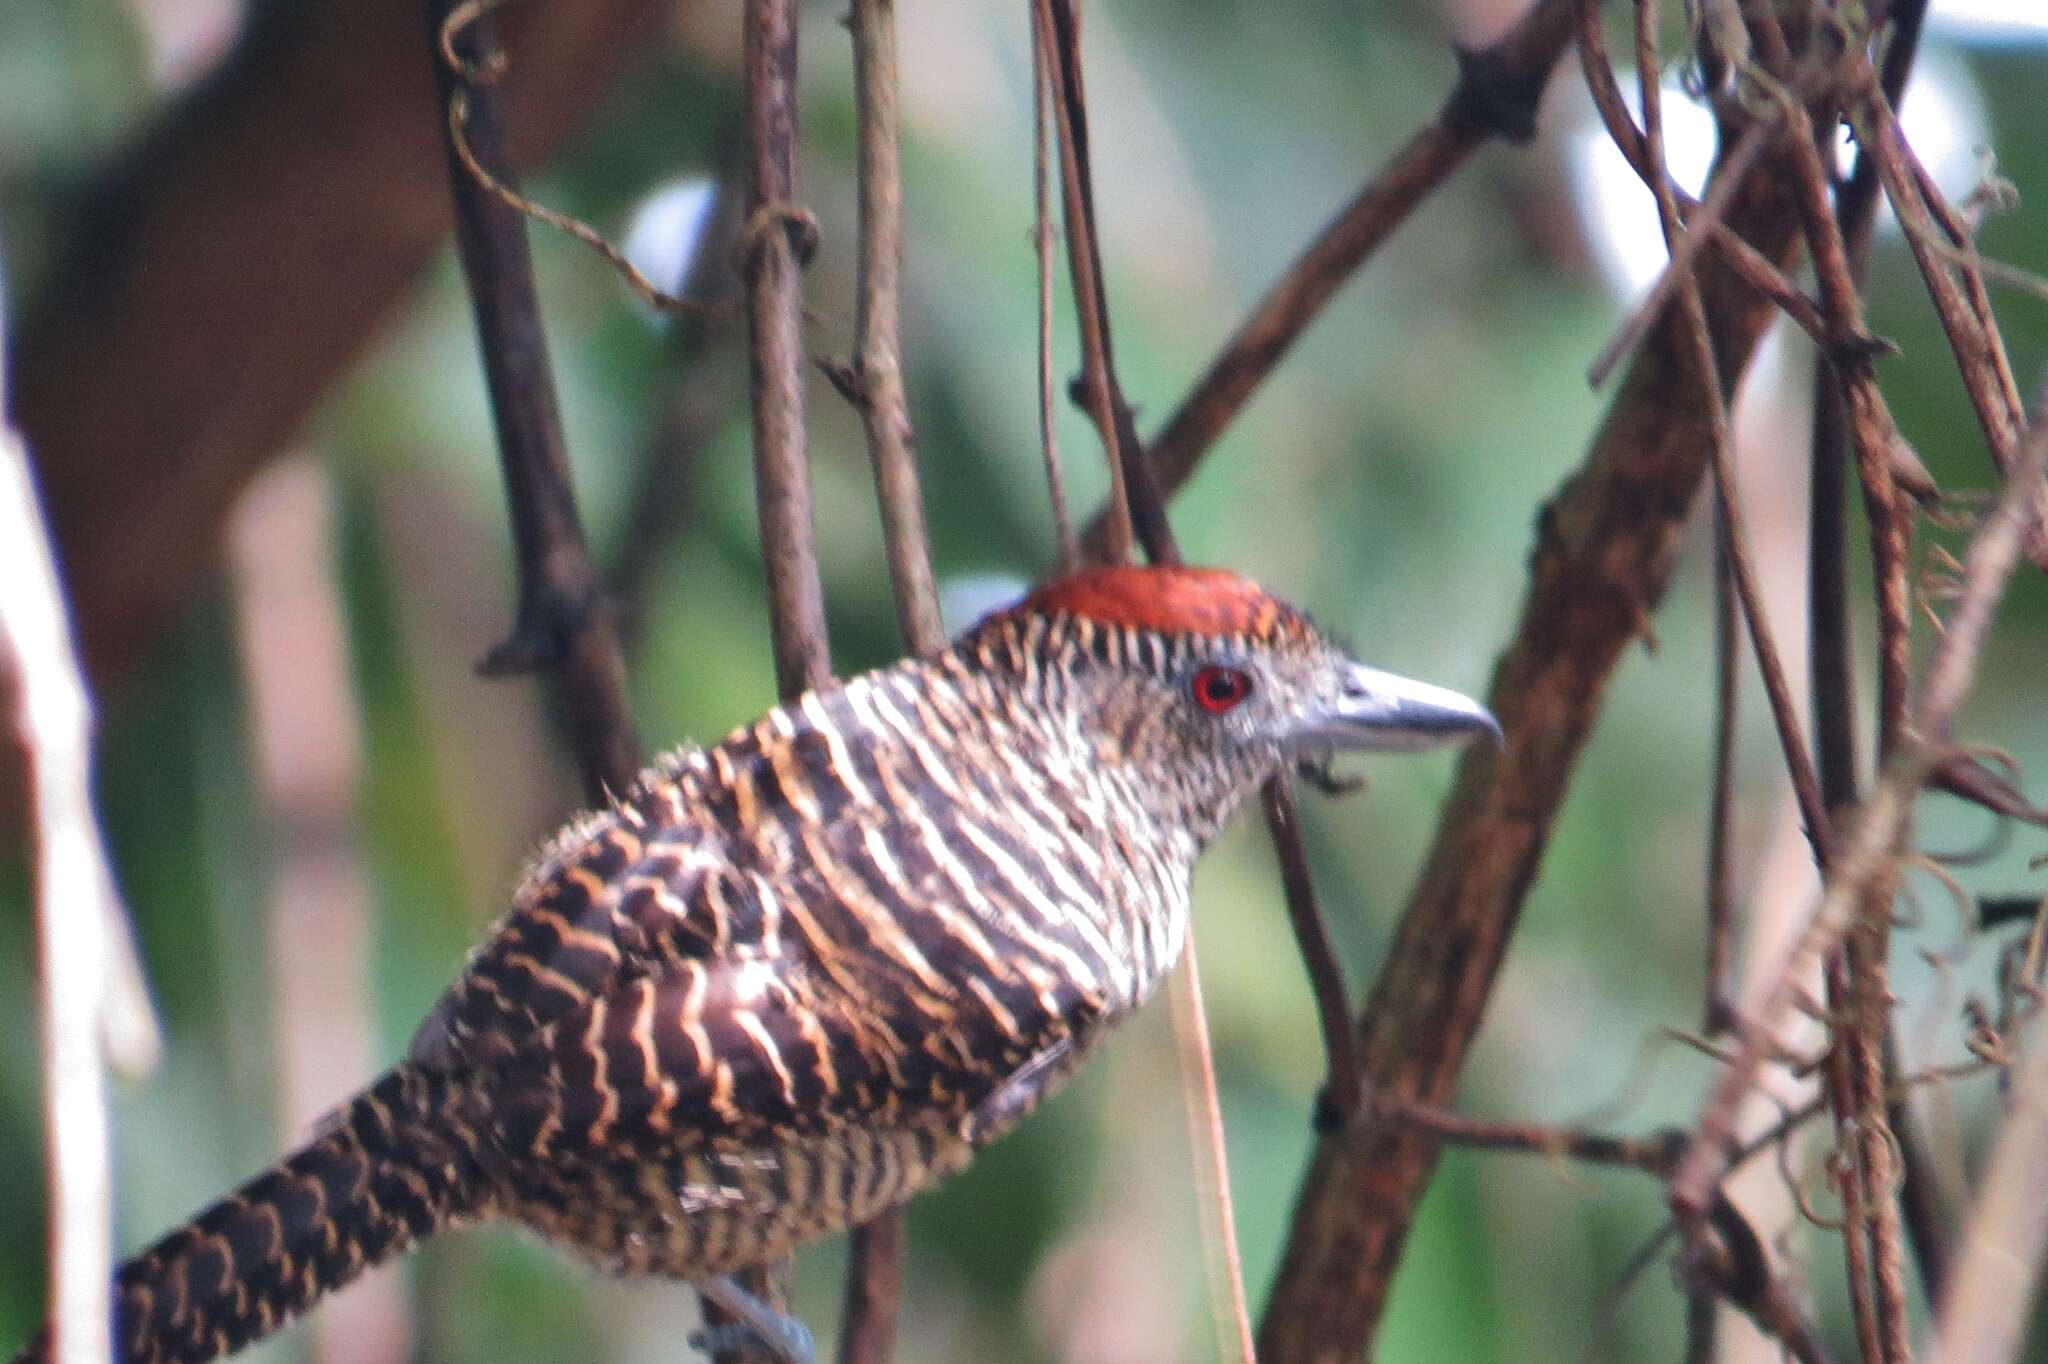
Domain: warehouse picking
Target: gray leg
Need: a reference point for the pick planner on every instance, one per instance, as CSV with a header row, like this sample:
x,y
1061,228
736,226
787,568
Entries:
x,y
754,1324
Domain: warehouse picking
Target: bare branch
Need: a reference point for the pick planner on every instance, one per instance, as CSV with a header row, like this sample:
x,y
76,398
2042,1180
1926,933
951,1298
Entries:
x,y
777,240
1972,334
1602,558
873,382
1056,30
320,138
1719,1011
1867,854
564,626
1495,97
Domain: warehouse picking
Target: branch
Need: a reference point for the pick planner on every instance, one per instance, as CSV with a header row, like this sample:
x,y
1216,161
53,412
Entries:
x,y
1993,555
1966,319
564,628
1056,30
873,382
1602,559
319,139
776,241
1495,97
1849,406
1042,235
1135,500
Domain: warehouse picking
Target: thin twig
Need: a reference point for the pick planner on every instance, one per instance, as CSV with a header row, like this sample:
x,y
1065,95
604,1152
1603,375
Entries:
x,y
1651,1155
1866,998
1601,561
1766,278
1700,226
1721,448
1974,339
1843,374
1738,1268
564,625
1056,31
460,114
1994,553
777,239
1495,97
1719,1010
873,382
1213,1203
1042,234
1341,1093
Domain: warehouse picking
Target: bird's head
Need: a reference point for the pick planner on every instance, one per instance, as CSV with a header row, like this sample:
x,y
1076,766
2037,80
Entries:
x,y
1201,686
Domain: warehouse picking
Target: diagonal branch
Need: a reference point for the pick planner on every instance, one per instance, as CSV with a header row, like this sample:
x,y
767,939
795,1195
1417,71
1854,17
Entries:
x,y
317,137
1602,558
1495,97
1994,553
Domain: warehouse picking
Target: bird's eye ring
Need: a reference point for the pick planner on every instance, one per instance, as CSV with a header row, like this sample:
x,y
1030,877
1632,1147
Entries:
x,y
1218,689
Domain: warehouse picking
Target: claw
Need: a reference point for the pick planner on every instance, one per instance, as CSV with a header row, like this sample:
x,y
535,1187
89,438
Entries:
x,y
754,1325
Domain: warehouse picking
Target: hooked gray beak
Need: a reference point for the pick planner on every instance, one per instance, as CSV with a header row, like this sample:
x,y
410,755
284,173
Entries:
x,y
1384,713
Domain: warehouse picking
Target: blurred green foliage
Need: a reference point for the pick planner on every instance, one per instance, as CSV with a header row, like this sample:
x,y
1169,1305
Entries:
x,y
1387,478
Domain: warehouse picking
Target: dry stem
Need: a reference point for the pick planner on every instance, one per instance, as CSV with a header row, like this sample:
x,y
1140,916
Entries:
x,y
1495,97
564,626
774,244
1602,558
1867,854
1056,31
873,382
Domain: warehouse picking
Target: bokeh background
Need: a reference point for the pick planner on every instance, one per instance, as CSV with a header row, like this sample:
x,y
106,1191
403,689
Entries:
x,y
316,805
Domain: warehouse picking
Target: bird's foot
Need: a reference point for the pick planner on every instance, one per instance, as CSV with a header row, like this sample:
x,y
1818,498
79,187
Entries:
x,y
754,1325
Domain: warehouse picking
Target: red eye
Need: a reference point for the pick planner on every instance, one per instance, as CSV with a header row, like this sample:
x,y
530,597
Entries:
x,y
1218,688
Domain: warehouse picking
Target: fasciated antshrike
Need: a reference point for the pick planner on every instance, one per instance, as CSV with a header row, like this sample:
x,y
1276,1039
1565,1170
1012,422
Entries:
x,y
790,980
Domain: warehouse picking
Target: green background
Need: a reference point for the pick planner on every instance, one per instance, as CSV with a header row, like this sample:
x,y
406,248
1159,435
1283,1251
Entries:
x,y
1387,479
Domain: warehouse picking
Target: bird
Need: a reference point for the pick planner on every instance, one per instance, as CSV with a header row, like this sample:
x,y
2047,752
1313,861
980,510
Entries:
x,y
792,979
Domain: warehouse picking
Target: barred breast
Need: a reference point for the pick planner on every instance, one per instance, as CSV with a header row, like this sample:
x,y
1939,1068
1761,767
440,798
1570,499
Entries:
x,y
795,978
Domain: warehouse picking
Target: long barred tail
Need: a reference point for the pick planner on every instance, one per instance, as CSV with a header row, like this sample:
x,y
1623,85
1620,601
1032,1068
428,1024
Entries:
x,y
399,1162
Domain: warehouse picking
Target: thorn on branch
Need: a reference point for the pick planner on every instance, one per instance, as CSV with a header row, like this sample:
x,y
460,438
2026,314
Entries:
x,y
1966,778
550,620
